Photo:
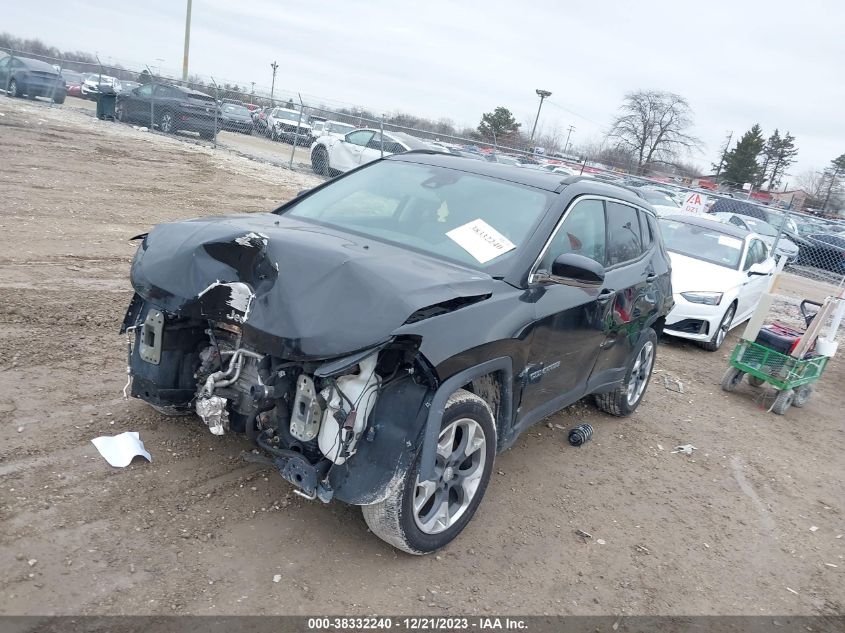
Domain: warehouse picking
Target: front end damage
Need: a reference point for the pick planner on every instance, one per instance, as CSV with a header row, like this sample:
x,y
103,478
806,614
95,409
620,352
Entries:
x,y
307,417
286,339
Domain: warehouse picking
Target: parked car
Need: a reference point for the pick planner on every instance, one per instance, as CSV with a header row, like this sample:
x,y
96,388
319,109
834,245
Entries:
x,y
662,202
259,120
773,217
126,86
331,155
235,118
170,108
73,82
824,250
559,169
330,128
92,83
786,247
504,159
284,124
383,336
719,273
22,76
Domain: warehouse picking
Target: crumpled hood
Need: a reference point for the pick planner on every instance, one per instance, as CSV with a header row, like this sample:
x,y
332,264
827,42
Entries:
x,y
300,291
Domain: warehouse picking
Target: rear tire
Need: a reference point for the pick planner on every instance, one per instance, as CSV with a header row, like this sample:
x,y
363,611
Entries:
x,y
802,395
756,382
421,517
625,399
59,100
784,400
166,123
722,331
732,378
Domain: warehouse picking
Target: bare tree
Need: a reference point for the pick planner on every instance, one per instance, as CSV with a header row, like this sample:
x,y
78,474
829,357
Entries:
x,y
653,126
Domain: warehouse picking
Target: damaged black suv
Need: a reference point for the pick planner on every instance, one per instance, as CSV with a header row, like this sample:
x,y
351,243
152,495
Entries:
x,y
383,336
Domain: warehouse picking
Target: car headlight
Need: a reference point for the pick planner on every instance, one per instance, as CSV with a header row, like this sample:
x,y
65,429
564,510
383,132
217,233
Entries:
x,y
707,298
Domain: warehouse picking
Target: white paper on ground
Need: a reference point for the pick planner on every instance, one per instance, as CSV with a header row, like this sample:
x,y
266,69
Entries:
x,y
481,240
119,450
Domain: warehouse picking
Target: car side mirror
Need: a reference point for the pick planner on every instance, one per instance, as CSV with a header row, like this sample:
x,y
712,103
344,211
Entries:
x,y
575,270
760,268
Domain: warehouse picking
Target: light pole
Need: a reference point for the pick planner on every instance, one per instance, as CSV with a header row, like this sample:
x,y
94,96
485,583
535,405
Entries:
x,y
274,66
187,42
542,94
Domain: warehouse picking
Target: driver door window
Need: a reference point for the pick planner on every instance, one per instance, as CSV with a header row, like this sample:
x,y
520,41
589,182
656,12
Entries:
x,y
582,232
145,92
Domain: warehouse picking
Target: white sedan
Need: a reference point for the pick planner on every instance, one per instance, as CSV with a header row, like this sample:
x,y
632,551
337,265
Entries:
x,y
719,273
331,155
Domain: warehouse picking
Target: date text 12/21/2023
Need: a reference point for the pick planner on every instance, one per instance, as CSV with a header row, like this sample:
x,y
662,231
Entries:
x,y
421,623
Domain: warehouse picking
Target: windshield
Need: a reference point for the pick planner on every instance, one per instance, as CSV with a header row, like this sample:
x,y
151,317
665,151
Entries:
x,y
758,226
705,243
343,128
236,109
441,212
289,116
658,197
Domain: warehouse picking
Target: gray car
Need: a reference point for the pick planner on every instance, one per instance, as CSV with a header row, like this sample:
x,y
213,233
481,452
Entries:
x,y
765,230
21,76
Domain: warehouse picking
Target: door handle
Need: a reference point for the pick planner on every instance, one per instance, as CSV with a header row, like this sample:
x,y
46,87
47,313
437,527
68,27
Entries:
x,y
605,295
651,277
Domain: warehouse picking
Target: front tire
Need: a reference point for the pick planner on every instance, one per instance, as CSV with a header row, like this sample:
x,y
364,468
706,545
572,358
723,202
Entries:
x,y
722,331
625,399
12,90
421,517
320,161
784,400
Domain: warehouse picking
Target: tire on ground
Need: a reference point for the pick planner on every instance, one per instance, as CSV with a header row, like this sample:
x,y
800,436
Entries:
x,y
616,402
714,343
732,378
783,401
392,520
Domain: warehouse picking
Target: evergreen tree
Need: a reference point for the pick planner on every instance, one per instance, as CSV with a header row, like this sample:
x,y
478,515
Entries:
x,y
741,162
783,157
498,124
769,153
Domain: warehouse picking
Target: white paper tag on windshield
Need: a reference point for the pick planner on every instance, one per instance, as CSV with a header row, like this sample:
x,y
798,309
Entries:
x,y
481,240
726,240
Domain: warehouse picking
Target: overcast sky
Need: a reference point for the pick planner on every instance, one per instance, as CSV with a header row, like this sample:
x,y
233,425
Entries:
x,y
738,62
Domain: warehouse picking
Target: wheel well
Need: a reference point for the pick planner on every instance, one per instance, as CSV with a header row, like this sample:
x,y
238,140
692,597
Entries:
x,y
491,389
658,325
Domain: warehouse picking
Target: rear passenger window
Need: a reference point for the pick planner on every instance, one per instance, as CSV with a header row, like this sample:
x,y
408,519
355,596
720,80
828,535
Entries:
x,y
624,242
582,233
646,231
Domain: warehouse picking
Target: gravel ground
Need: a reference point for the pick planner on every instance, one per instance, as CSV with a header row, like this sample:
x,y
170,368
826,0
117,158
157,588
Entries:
x,y
750,523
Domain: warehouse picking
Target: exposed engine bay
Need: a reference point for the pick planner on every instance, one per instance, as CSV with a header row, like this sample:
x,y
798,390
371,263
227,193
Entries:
x,y
306,416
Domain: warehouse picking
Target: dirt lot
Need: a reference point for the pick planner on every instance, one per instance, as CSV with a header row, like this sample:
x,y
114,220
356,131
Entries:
x,y
751,523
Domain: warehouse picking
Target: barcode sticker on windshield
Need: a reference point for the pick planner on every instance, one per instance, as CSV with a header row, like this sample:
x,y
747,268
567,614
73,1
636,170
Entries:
x,y
481,240
726,240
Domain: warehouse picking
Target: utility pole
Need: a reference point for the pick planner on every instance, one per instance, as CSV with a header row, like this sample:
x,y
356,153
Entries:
x,y
274,66
724,153
542,94
569,132
187,42
252,91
